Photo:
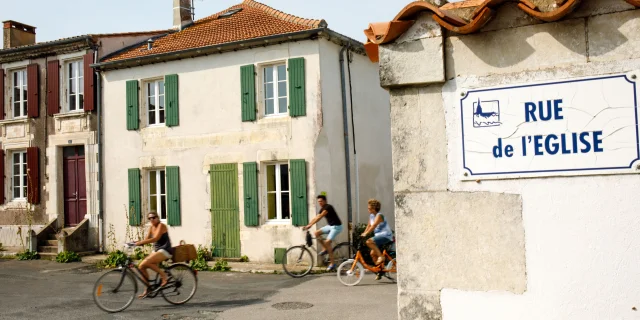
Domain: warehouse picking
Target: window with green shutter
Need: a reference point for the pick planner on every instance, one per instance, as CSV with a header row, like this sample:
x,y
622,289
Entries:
x,y
248,92
173,196
132,105
250,175
172,101
297,101
134,197
298,173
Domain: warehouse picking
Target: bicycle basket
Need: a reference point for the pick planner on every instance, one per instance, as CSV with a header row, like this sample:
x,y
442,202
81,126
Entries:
x,y
308,239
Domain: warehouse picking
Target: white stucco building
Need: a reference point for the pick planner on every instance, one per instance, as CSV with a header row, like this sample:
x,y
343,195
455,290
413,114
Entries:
x,y
516,157
232,125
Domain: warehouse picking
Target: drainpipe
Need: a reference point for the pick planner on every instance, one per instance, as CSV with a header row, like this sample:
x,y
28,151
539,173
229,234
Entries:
x,y
345,121
353,133
99,145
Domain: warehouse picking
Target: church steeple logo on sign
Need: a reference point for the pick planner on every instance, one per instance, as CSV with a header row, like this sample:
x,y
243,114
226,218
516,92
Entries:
x,y
486,113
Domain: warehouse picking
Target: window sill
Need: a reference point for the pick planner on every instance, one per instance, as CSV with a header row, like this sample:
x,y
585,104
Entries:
x,y
279,222
14,121
18,204
70,114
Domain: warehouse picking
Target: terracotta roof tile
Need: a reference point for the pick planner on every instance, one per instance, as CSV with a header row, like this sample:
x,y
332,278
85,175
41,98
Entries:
x,y
462,17
254,21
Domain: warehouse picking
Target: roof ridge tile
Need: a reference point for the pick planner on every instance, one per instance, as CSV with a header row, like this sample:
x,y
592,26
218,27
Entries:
x,y
316,23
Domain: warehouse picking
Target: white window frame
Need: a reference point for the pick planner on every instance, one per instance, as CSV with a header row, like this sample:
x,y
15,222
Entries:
x,y
79,64
159,194
23,98
21,175
278,192
157,98
276,94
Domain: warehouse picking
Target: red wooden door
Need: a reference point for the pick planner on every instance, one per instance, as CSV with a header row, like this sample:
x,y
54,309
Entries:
x,y
75,188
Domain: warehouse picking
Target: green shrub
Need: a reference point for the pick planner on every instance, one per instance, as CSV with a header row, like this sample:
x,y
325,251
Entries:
x,y
115,258
139,253
67,256
221,265
244,259
28,255
200,263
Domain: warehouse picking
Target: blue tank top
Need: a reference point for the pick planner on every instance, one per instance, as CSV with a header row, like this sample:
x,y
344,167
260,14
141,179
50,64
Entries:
x,y
383,229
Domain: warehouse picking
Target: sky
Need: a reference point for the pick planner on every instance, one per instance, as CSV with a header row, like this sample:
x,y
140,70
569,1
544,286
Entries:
x,y
77,17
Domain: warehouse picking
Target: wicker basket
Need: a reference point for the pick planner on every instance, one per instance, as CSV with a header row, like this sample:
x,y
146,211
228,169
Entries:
x,y
184,252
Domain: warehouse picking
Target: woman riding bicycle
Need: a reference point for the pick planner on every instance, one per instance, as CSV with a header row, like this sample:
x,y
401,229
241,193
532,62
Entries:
x,y
382,233
162,250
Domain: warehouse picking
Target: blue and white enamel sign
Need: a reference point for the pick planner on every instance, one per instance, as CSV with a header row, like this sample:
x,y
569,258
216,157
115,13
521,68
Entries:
x,y
574,127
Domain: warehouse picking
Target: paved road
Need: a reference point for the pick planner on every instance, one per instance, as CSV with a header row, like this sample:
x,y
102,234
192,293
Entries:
x,y
50,290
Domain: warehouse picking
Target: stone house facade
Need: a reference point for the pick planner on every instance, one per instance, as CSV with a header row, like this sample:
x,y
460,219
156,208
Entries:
x,y
49,155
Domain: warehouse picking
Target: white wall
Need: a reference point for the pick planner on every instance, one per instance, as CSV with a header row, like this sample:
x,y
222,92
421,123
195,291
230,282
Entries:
x,y
579,232
210,132
371,124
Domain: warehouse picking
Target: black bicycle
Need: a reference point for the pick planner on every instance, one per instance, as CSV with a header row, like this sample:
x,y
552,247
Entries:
x,y
298,261
116,289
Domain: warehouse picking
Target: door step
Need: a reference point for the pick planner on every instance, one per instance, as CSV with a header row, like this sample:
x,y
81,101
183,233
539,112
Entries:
x,y
47,255
48,249
52,243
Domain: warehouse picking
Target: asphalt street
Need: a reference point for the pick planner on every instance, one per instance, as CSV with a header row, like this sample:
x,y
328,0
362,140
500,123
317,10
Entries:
x,y
50,290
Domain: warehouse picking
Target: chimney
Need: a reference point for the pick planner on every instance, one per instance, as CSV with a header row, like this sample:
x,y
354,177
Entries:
x,y
18,34
182,14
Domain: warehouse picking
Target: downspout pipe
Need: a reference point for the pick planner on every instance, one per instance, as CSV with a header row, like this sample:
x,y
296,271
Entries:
x,y
345,123
353,134
98,74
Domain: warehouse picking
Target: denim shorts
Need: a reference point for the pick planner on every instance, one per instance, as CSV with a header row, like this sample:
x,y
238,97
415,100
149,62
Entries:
x,y
333,231
381,241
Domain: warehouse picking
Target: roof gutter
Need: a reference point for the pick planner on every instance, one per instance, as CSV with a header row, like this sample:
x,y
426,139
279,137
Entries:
x,y
226,47
86,38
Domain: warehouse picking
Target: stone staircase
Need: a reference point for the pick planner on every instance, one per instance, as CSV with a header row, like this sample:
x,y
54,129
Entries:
x,y
48,248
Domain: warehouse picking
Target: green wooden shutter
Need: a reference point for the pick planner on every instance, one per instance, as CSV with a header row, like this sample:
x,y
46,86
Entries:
x,y
298,179
171,99
297,103
173,196
134,197
248,92
250,174
132,105
225,211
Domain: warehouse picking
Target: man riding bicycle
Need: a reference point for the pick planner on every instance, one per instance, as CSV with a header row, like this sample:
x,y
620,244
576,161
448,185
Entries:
x,y
382,233
333,228
162,250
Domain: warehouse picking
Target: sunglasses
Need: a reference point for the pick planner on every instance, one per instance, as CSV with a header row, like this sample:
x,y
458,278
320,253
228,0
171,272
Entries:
x,y
152,218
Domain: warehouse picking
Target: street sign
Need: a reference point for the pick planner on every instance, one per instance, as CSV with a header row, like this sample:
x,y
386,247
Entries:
x,y
582,126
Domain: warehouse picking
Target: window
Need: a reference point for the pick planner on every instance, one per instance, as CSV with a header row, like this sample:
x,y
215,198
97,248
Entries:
x,y
155,102
158,193
278,192
275,90
19,93
75,83
19,175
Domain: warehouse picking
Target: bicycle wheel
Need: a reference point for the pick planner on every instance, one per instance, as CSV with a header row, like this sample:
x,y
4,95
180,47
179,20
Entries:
x,y
341,252
115,291
348,277
297,261
391,265
182,284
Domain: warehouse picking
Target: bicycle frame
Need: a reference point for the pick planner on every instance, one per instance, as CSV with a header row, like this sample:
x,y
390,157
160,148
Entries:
x,y
375,269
